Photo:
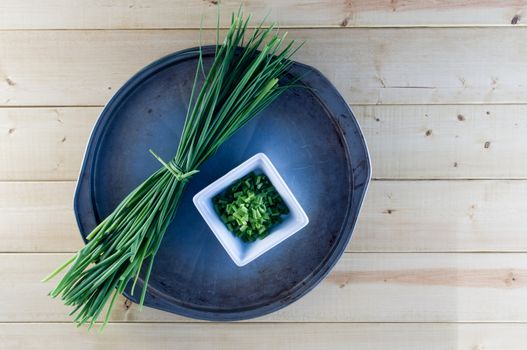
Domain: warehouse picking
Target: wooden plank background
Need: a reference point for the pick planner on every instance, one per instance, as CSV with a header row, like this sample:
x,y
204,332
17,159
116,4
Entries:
x,y
368,65
123,14
439,256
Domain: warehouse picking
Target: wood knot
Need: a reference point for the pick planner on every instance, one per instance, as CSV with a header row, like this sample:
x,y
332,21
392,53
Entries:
x,y
510,279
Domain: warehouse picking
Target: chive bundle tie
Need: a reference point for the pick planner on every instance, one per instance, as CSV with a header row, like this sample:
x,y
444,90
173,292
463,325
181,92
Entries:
x,y
172,167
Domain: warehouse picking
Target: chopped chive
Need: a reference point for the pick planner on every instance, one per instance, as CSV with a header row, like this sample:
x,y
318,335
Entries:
x,y
252,206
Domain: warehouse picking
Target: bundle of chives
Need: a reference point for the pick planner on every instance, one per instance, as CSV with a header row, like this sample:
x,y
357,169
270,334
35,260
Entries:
x,y
241,82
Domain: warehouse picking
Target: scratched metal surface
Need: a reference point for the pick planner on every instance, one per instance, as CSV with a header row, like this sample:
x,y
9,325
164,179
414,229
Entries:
x,y
310,135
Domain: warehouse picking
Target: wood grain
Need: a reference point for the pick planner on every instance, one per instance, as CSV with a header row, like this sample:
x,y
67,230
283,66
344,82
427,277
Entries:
x,y
37,217
122,14
43,144
398,216
476,141
368,66
442,216
363,287
446,142
409,336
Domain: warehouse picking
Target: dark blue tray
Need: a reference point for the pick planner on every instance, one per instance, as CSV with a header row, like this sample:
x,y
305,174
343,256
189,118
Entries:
x,y
310,135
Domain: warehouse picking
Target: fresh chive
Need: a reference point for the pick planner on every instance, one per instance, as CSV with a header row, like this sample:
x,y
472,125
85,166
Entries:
x,y
241,82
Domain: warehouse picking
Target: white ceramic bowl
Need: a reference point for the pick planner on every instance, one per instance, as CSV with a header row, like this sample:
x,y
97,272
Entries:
x,y
241,252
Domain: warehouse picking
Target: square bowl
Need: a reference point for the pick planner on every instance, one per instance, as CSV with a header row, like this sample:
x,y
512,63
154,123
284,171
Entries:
x,y
244,252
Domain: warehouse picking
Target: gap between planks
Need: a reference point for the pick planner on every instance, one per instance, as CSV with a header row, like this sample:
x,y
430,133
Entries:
x,y
251,322
352,106
321,27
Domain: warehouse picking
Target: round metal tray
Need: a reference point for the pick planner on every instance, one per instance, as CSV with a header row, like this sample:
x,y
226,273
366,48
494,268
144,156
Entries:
x,y
310,135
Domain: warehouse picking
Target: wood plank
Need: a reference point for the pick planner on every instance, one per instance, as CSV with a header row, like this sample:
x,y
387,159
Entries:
x,y
44,144
37,217
446,142
398,216
410,336
476,141
122,14
448,287
442,216
369,66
